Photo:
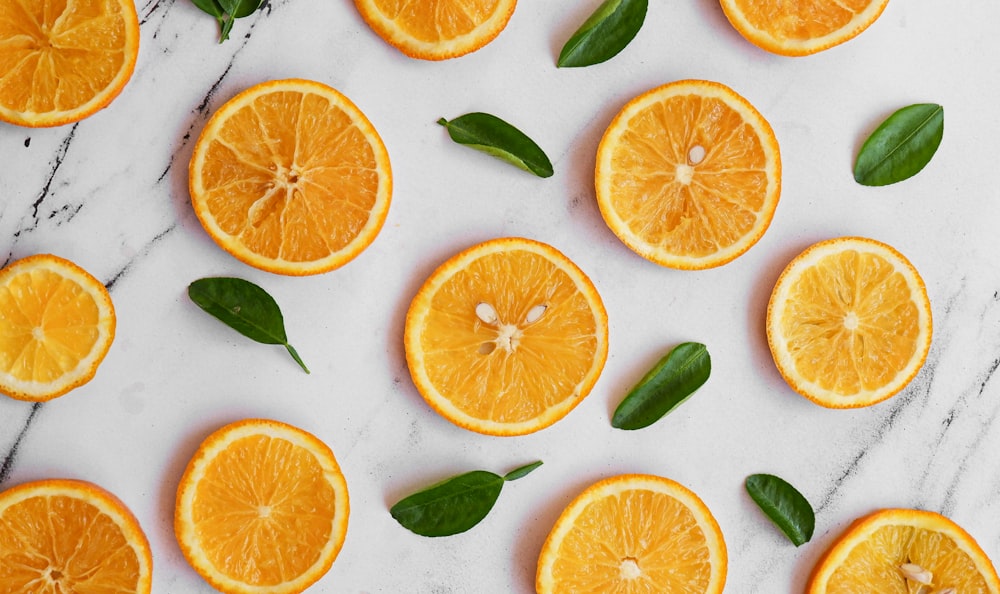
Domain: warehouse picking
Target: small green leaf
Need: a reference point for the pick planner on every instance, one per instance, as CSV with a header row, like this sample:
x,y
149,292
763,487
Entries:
x,y
211,7
901,146
455,504
227,11
665,387
493,136
609,29
244,307
240,8
783,505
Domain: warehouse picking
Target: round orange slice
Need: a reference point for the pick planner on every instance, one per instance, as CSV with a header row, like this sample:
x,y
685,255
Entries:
x,y
905,551
261,508
61,62
849,322
801,27
506,337
688,175
56,325
634,534
60,535
290,177
437,29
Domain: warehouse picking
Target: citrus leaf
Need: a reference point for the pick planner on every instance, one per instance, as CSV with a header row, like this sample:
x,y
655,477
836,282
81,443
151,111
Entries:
x,y
244,307
601,37
455,504
666,386
901,146
240,8
211,7
783,505
493,136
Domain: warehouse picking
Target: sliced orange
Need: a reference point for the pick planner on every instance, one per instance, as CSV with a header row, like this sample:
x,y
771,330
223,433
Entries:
x,y
290,177
56,325
437,29
506,337
261,508
634,534
849,322
69,536
62,61
904,551
688,175
801,27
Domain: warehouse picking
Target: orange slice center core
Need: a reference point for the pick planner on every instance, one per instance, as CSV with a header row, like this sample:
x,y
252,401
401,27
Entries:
x,y
508,335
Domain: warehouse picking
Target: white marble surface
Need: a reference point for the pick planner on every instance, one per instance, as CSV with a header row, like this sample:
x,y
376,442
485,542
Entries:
x,y
111,194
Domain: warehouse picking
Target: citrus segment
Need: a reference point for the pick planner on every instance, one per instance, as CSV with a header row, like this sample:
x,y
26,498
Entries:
x,y
290,177
903,551
632,534
62,535
56,325
62,61
437,29
688,175
506,337
849,322
261,508
801,27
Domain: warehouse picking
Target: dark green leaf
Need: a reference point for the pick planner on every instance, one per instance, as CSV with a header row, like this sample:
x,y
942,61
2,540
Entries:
x,y
609,29
456,504
212,7
493,136
665,387
244,307
901,146
240,8
783,505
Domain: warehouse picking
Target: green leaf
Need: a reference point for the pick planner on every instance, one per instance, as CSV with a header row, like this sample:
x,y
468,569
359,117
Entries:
x,y
493,136
244,307
455,504
240,8
665,387
211,7
609,29
901,146
227,11
783,505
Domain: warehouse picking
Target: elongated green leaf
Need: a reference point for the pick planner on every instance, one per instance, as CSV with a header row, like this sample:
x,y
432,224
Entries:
x,y
455,504
211,7
240,8
901,146
244,307
665,387
609,29
783,505
493,136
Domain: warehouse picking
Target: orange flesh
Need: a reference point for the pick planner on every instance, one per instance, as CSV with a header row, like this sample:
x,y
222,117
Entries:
x,y
263,511
512,370
851,324
801,20
291,177
431,21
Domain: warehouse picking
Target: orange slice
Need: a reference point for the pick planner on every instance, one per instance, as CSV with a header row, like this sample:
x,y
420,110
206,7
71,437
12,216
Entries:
x,y
904,551
849,322
261,509
688,175
634,533
62,61
506,337
290,177
801,27
437,29
56,325
68,536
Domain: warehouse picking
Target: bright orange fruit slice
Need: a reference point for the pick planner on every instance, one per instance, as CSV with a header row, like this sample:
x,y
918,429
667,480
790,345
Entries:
x,y
437,29
506,337
62,61
261,508
904,551
801,27
849,322
634,534
290,177
56,325
688,175
70,536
